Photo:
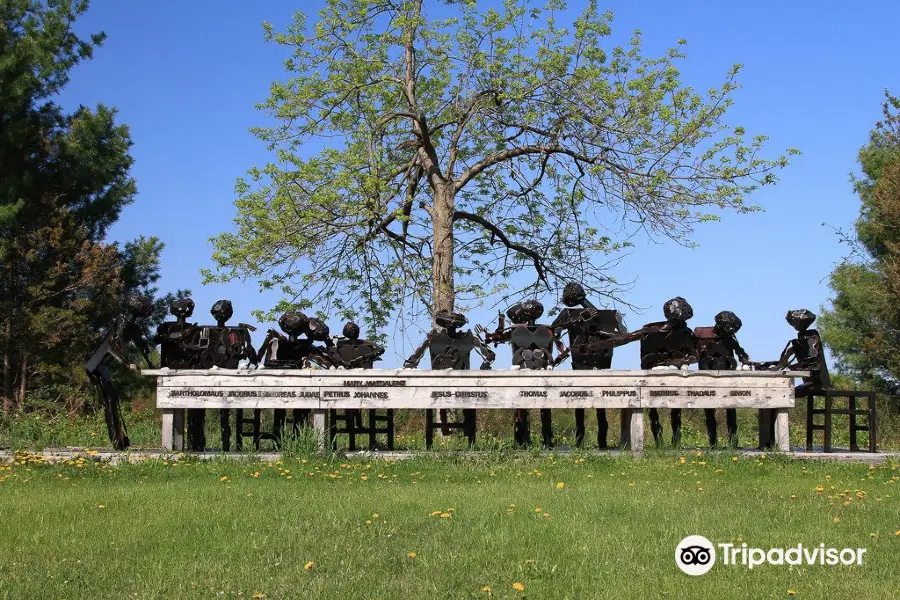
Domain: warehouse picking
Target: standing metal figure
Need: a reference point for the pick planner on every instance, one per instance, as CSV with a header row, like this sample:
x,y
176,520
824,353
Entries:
x,y
719,350
586,326
114,346
663,343
450,348
179,342
186,345
532,346
227,347
669,343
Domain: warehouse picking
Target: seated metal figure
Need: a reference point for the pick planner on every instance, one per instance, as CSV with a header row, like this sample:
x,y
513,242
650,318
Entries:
x,y
532,347
294,352
805,353
669,343
356,353
114,346
585,327
450,348
719,350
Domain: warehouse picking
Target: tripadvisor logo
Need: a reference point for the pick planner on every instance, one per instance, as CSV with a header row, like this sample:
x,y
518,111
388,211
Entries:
x,y
696,555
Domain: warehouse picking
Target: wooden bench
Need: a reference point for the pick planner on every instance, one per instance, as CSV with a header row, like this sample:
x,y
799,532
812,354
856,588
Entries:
x,y
320,391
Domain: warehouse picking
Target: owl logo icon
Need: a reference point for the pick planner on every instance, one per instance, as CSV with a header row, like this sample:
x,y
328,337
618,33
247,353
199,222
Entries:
x,y
695,555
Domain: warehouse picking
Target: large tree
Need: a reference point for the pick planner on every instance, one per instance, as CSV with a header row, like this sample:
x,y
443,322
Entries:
x,y
862,326
64,179
464,146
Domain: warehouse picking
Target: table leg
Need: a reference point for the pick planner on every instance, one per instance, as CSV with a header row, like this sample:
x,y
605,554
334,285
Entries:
x,y
782,434
319,426
637,433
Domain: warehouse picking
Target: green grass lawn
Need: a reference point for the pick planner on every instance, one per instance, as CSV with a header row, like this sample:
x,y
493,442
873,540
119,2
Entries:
x,y
447,526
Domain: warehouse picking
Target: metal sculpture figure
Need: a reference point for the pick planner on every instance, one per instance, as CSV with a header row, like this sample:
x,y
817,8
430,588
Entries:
x,y
227,347
805,353
450,348
663,343
719,350
356,353
114,346
585,327
532,345
186,345
671,344
293,352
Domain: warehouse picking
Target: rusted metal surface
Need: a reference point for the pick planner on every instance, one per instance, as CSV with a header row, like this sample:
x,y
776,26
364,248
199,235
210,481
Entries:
x,y
125,329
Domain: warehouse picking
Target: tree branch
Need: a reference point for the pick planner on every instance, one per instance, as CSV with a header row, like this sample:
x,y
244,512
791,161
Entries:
x,y
498,233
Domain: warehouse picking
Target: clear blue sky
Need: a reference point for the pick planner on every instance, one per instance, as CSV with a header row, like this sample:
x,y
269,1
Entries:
x,y
185,77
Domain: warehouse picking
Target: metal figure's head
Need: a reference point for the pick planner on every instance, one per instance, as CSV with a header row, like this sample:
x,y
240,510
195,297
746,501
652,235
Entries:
x,y
516,314
351,331
140,306
317,330
677,309
293,323
533,310
182,308
800,319
728,323
222,311
573,294
450,320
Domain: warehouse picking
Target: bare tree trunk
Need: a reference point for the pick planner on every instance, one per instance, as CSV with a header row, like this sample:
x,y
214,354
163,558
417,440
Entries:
x,y
23,380
444,290
7,371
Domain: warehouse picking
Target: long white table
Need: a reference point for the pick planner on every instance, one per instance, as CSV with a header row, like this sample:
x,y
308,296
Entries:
x,y
772,392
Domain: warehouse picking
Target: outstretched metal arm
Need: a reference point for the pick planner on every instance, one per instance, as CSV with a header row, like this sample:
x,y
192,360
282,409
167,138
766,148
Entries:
x,y
413,361
487,355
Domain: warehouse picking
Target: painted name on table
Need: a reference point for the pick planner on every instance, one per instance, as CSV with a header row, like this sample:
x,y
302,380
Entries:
x,y
696,393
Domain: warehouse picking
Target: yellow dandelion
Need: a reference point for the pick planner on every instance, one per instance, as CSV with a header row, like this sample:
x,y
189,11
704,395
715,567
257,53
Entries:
x,y
374,515
411,554
101,506
791,592
836,519
734,459
368,522
518,587
446,515
255,475
898,532
538,510
486,589
560,485
308,566
682,460
223,478
873,534
546,515
820,489
258,596
436,513
450,510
